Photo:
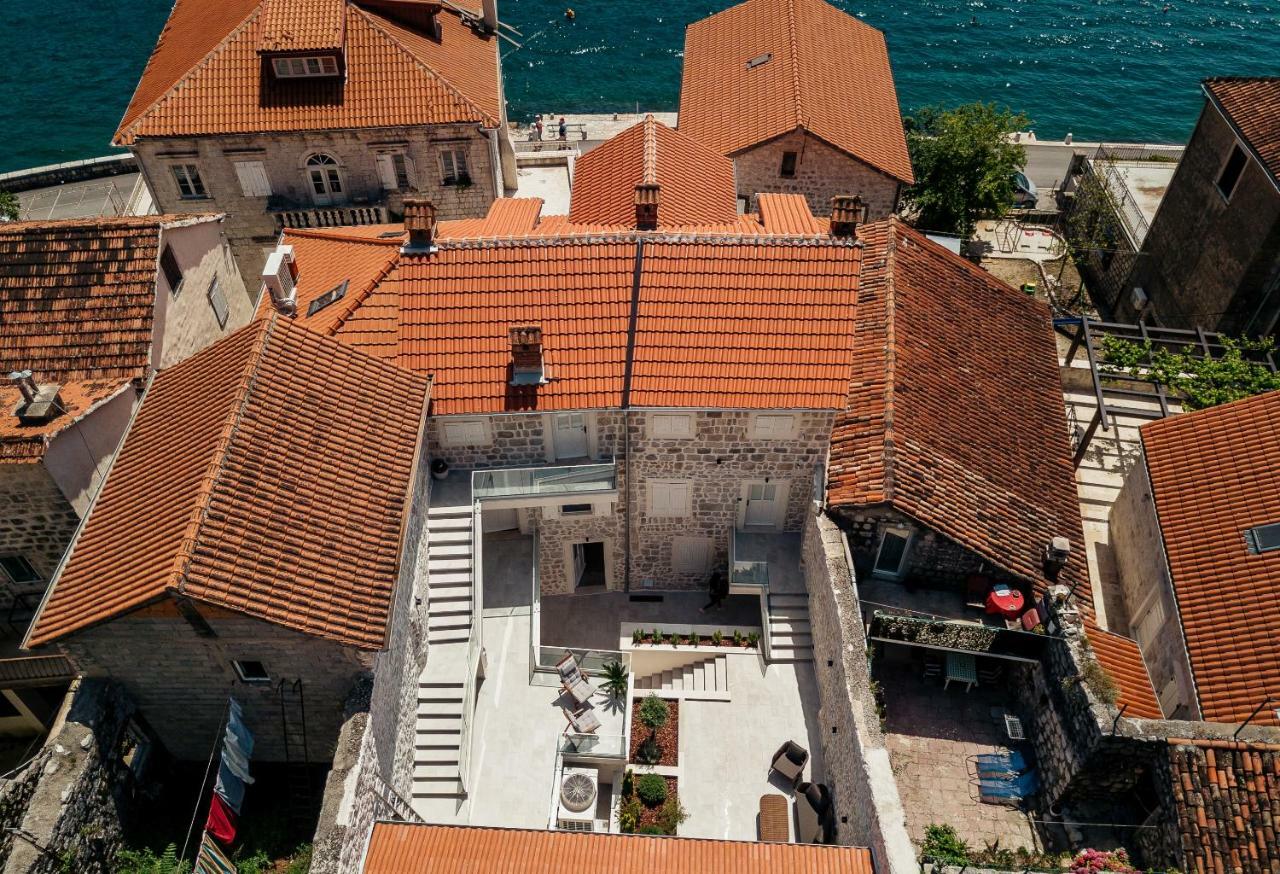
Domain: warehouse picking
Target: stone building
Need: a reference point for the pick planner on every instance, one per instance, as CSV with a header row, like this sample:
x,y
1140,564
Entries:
x,y
1211,258
285,114
1197,548
93,308
801,96
257,537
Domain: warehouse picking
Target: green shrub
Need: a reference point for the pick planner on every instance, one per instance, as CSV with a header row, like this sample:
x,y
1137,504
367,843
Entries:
x,y
637,637
753,639
654,712
145,861
672,814
716,637
1100,682
629,810
300,862
695,639
652,789
651,830
737,637
942,844
257,863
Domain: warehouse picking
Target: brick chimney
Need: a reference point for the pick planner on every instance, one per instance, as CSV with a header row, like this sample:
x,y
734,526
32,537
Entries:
x,y
847,212
648,199
40,403
489,13
420,223
526,356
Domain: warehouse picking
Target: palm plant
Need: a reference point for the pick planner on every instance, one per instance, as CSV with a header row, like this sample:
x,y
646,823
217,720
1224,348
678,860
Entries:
x,y
615,679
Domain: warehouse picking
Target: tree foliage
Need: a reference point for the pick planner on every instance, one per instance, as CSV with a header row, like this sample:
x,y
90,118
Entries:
x,y
9,206
964,161
1202,382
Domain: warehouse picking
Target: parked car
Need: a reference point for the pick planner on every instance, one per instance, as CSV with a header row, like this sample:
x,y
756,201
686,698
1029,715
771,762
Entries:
x,y
1025,195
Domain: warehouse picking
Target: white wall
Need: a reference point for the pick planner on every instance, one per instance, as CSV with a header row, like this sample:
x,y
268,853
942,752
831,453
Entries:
x,y
79,456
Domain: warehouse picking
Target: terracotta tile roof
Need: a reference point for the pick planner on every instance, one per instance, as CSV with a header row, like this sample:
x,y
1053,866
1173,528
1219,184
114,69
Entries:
x,y
955,414
332,259
19,442
696,184
302,25
789,214
205,75
1226,805
238,486
1253,106
826,72
1123,660
401,848
1215,474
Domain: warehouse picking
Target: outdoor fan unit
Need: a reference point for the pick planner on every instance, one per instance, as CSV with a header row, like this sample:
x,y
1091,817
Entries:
x,y
578,789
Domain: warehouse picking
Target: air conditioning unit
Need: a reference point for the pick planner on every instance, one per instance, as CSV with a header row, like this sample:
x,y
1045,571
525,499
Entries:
x,y
578,790
279,277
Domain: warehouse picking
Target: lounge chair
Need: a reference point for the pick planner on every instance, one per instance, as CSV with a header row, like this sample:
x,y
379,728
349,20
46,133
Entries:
x,y
583,720
995,764
572,680
997,790
789,761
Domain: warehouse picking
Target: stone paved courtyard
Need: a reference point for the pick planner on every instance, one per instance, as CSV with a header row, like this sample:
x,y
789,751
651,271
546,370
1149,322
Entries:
x,y
932,736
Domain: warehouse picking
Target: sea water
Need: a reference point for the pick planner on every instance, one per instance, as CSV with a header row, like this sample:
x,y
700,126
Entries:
x,y
1099,69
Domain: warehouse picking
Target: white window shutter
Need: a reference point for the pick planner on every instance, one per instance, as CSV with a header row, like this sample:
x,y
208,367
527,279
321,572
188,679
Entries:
x,y
387,172
253,178
690,555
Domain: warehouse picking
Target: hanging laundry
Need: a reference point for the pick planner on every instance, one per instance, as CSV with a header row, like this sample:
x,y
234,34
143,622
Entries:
x,y
229,787
211,860
222,820
237,732
237,763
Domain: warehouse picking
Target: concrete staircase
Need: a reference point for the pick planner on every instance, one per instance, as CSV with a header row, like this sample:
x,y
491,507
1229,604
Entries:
x,y
449,574
705,679
437,740
790,637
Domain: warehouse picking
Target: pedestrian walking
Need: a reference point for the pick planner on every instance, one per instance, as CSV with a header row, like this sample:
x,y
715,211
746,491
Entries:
x,y
537,125
564,129
718,586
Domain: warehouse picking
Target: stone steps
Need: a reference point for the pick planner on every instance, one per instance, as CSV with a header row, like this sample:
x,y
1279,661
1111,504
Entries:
x,y
790,635
706,679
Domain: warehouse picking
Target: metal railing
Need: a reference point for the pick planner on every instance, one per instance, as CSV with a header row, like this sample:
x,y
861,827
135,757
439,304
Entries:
x,y
1126,207
604,746
579,479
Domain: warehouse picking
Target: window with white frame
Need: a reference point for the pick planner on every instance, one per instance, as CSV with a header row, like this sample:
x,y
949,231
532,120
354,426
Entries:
x,y
218,301
454,169
464,432
670,498
253,178
690,555
305,66
670,426
396,171
891,556
190,185
773,426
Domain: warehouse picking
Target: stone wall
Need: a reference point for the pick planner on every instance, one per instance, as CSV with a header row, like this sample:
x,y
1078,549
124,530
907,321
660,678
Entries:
x,y
516,440
556,534
283,155
822,172
868,810
1144,579
180,680
36,522
1207,261
72,796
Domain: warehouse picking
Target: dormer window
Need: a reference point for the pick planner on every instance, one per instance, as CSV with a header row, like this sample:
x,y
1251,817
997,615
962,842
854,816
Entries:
x,y
305,67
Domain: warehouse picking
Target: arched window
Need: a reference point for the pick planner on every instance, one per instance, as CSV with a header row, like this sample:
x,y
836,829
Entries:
x,y
325,178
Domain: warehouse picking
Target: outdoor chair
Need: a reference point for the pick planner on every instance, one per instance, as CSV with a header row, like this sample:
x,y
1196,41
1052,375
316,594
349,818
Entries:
x,y
583,720
813,814
1011,762
572,680
996,790
789,761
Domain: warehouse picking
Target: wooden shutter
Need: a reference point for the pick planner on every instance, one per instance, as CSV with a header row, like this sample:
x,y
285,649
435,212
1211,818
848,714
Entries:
x,y
253,179
387,172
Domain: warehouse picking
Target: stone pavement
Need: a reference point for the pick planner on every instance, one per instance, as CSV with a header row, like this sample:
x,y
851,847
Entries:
x,y
933,736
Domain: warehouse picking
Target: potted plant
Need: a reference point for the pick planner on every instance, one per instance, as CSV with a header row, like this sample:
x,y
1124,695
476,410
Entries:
x,y
439,468
753,639
615,679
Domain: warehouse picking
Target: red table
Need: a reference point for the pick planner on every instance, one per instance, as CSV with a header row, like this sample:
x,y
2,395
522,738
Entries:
x,y
1005,601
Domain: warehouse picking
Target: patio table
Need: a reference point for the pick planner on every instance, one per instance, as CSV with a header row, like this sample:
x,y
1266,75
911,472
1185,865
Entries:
x,y
963,668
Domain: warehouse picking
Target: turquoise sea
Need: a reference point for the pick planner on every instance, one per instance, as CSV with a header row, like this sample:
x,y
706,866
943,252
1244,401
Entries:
x,y
1102,69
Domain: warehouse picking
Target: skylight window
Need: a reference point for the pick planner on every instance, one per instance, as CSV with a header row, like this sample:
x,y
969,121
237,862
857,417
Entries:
x,y
759,60
338,292
1263,538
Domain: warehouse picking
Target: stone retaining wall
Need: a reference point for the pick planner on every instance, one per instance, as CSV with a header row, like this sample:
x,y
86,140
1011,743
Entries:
x,y
70,171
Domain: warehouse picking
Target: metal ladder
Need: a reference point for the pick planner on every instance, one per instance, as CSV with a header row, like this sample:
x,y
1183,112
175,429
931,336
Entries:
x,y
293,728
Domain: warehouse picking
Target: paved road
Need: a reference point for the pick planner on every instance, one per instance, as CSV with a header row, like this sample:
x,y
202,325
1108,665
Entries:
x,y
92,197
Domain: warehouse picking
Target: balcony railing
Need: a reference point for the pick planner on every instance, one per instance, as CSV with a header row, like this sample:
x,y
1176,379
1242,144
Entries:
x,y
610,746
590,661
294,216
744,572
539,482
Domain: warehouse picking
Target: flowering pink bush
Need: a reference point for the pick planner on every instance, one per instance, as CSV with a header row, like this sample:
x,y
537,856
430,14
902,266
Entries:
x,y
1093,861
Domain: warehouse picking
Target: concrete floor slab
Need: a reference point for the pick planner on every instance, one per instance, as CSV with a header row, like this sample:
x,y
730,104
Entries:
x,y
508,571
549,181
781,551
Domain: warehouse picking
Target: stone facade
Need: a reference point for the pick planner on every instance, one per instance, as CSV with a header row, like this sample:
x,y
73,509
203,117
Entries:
x,y
1148,595
251,221
867,806
821,173
1206,261
36,522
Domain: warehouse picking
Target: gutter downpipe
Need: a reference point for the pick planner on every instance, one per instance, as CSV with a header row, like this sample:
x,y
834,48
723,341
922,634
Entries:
x,y
626,408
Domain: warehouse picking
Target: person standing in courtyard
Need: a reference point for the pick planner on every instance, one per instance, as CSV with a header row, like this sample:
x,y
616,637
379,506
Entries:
x,y
564,129
537,125
718,586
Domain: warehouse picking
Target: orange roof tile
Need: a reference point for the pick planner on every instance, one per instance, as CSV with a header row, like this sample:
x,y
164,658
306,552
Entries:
x,y
402,848
824,71
332,259
1215,474
1123,660
302,25
1253,106
696,184
238,486
789,214
954,413
198,85
19,442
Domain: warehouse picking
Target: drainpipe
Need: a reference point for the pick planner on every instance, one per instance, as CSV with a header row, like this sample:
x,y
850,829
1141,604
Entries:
x,y
495,162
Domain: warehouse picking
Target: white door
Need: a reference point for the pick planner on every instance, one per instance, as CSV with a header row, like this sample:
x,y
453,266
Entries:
x,y
570,435
761,505
325,179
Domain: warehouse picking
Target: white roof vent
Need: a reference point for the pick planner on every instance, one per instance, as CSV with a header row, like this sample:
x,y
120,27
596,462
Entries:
x,y
280,277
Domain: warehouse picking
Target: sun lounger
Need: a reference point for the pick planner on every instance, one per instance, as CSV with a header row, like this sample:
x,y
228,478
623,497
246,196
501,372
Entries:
x,y
995,790
572,680
583,720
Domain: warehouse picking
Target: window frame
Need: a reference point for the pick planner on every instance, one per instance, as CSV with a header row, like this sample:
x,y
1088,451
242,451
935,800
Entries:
x,y
238,665
578,510
392,166
305,69
254,173
35,575
791,158
459,162
1254,538
688,543
188,178
687,431
902,533
214,294
653,486
167,254
1242,165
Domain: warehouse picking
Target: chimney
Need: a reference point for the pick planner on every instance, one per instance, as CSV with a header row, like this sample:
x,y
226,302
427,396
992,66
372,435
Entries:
x,y
280,279
847,212
490,12
648,198
40,404
420,222
526,356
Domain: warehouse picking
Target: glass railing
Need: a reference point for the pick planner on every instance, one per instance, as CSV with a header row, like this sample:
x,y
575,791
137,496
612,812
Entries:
x,y
590,661
742,571
613,746
577,479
